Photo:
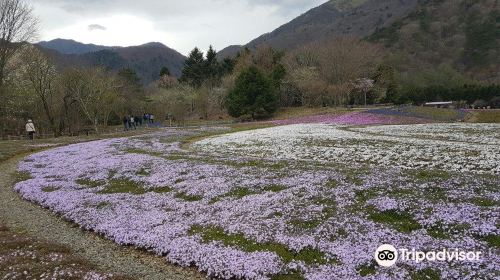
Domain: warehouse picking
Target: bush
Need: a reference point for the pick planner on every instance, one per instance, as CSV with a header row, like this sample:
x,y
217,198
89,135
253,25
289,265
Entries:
x,y
253,95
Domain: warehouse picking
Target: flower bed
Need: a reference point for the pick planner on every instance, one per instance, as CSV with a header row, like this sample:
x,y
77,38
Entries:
x,y
475,149
235,210
355,118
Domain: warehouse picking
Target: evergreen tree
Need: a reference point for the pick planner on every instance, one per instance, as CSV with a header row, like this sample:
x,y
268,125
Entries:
x,y
226,67
211,63
131,77
165,72
386,84
194,71
253,95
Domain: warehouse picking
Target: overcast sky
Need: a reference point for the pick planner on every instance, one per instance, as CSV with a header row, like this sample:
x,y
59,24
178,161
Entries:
x,y
181,25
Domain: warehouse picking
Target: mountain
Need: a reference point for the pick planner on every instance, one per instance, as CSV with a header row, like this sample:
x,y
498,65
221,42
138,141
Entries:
x,y
71,46
461,34
147,60
358,18
418,34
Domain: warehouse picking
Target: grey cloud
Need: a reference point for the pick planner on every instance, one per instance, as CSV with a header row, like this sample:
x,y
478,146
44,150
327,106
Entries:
x,y
93,27
188,22
165,8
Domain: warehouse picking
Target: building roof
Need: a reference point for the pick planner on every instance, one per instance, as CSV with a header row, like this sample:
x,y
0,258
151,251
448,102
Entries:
x,y
439,103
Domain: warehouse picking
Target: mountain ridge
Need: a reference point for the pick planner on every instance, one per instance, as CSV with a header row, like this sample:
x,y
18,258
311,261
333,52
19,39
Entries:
x,y
146,59
355,18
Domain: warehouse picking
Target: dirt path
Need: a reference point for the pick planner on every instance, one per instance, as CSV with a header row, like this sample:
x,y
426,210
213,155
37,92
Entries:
x,y
32,220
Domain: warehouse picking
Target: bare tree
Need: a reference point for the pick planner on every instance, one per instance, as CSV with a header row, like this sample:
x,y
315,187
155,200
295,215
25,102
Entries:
x,y
363,86
332,65
17,26
41,76
95,91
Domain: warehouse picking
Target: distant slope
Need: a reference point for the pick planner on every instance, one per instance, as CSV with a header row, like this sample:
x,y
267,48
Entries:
x,y
420,35
460,33
147,60
71,46
358,18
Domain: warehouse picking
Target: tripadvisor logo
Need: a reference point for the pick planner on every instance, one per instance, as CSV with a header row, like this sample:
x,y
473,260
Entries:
x,y
387,255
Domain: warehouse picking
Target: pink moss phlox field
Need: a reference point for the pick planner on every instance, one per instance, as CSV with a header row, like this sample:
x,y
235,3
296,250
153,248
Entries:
x,y
240,218
354,118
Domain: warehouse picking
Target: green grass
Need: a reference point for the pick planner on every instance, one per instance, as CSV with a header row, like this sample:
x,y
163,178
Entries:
x,y
187,197
22,176
102,205
484,202
143,152
438,230
292,112
307,255
367,269
365,195
123,186
332,184
90,183
485,116
435,193
399,192
240,192
50,189
263,164
426,274
306,224
439,114
143,172
274,188
492,240
400,221
355,176
162,190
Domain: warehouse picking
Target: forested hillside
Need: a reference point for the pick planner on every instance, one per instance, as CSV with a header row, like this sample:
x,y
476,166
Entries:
x,y
463,35
458,35
336,18
146,60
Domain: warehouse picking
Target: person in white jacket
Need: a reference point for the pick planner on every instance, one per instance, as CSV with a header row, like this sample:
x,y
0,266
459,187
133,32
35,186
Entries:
x,y
30,129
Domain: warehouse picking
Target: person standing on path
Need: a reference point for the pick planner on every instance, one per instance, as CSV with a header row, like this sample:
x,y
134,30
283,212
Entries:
x,y
152,118
138,121
125,123
132,123
30,129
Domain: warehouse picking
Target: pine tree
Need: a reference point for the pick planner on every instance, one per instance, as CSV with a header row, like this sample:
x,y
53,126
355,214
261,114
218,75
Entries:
x,y
226,67
194,71
212,64
165,72
253,95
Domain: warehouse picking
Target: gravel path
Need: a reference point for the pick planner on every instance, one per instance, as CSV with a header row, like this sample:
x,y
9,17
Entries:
x,y
30,219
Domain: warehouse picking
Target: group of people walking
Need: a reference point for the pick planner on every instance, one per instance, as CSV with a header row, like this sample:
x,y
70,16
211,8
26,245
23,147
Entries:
x,y
129,122
133,122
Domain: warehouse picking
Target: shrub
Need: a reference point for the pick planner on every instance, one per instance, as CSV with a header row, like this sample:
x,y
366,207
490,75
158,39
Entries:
x,y
253,95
